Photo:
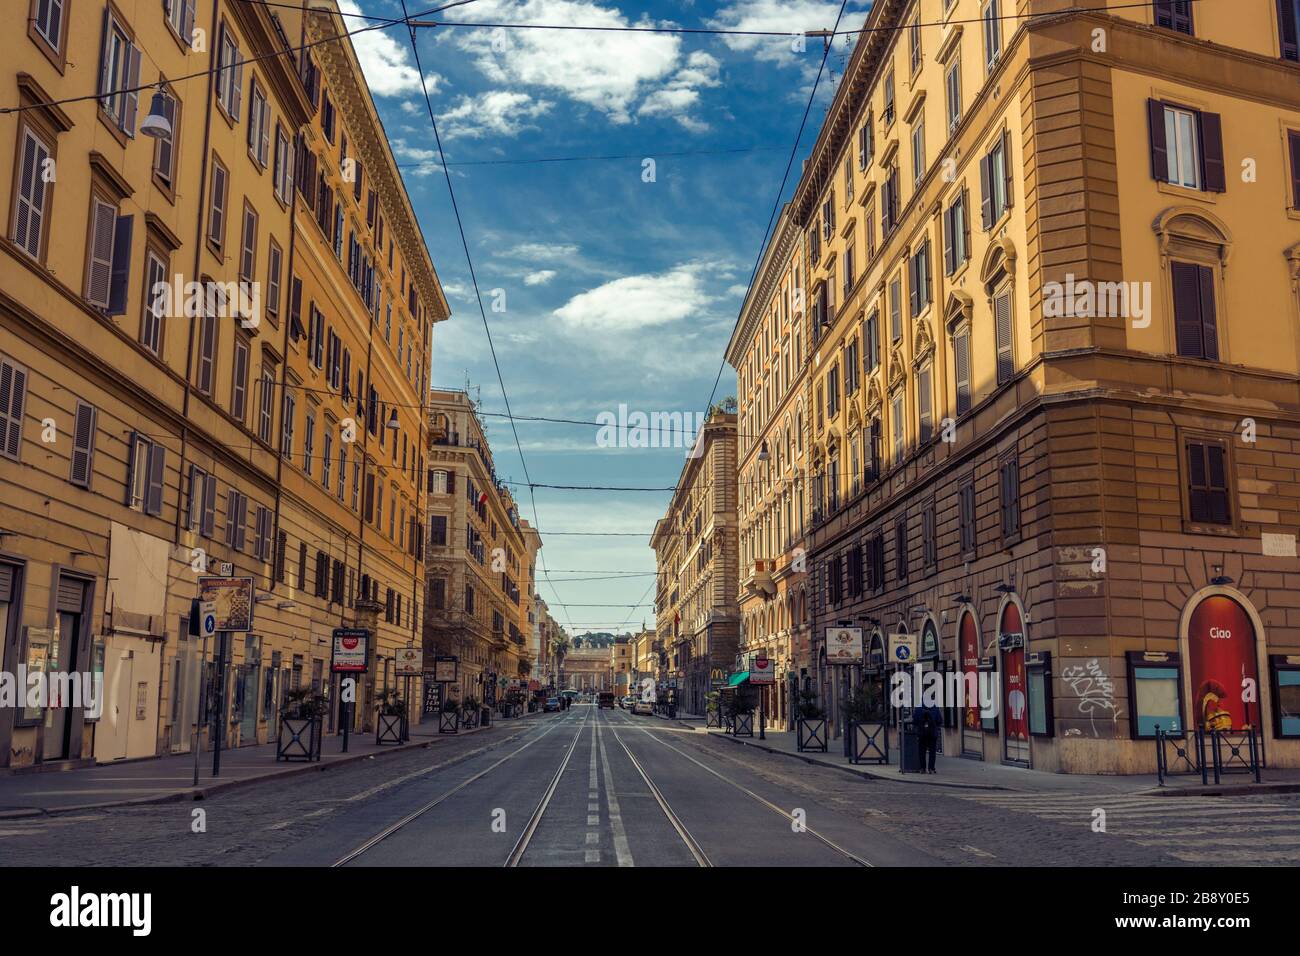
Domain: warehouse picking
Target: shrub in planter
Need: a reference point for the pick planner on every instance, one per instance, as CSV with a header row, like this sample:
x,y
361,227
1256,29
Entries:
x,y
864,719
810,723
470,709
299,733
390,723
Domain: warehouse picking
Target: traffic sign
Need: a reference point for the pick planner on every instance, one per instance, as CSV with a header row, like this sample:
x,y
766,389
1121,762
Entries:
x,y
902,648
207,618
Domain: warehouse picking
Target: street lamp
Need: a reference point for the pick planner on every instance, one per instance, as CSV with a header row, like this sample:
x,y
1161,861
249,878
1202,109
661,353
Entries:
x,y
156,125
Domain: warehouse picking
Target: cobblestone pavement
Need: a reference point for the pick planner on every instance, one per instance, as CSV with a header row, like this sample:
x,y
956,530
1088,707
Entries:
x,y
312,819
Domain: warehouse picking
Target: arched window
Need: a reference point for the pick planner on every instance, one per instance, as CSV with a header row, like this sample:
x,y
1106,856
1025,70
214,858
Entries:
x,y
1194,248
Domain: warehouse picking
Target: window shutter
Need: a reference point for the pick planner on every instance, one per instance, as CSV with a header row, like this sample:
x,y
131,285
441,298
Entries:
x,y
1187,309
153,499
236,85
1212,152
281,546
1008,170
241,525
83,445
965,224
1002,323
99,276
13,399
1288,18
370,497
132,101
1218,483
1209,322
986,190
187,21
105,80
29,219
1293,140
194,499
961,359
949,249
209,506
120,276
1159,149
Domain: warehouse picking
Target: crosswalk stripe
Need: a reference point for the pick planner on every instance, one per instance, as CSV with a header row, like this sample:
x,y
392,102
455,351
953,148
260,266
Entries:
x,y
1228,855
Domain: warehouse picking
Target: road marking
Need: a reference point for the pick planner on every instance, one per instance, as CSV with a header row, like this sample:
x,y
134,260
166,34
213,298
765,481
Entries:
x,y
977,851
592,856
622,851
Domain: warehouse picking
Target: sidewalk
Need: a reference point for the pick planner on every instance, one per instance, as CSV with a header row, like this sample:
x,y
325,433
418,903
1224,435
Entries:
x,y
961,773
171,777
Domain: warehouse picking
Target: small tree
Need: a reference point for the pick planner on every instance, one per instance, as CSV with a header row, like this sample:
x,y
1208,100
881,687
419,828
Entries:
x,y
809,707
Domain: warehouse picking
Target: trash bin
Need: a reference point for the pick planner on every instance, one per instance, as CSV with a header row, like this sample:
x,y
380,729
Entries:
x,y
909,751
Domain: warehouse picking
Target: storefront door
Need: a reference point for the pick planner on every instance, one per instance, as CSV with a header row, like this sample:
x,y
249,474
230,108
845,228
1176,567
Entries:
x,y
972,731
1015,699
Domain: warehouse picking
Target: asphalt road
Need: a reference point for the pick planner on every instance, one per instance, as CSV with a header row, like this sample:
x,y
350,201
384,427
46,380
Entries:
x,y
590,787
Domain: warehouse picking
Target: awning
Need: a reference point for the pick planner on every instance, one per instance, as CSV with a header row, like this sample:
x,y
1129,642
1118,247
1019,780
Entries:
x,y
738,679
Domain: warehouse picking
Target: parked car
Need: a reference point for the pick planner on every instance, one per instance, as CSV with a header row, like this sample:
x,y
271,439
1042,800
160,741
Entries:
x,y
643,707
626,702
607,700
552,703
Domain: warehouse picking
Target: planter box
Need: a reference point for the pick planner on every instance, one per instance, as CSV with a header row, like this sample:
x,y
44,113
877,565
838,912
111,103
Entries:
x,y
469,718
712,719
742,725
869,742
448,722
299,739
389,729
810,734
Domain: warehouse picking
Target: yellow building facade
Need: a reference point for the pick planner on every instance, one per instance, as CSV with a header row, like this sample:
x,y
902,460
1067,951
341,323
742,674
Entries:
x,y
154,438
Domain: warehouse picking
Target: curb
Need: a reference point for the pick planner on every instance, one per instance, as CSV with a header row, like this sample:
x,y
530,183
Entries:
x,y
203,792
1235,790
865,773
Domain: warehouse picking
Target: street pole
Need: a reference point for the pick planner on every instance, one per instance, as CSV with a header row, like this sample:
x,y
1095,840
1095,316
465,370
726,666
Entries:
x,y
345,710
762,713
202,703
223,639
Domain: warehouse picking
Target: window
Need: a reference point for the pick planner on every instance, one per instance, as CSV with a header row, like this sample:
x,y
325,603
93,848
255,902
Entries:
x,y
1288,21
274,263
202,498
144,483
966,515
1186,147
230,74
217,201
1009,496
83,445
119,75
248,247
900,548
925,417
888,116
929,539
286,425
180,17
316,337
207,367
889,203
828,217
848,181
264,406
956,235
995,180
918,150
1293,144
871,342
848,268
914,42
897,426
1006,364
327,457
239,382
108,258
282,172
1174,15
1195,323
952,92
992,34
1207,482
833,391
896,308
866,146
164,151
835,579
47,22
259,126
308,443
961,370
155,302
32,197
918,279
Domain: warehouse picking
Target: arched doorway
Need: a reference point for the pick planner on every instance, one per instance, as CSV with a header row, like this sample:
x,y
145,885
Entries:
x,y
968,656
1015,688
1222,665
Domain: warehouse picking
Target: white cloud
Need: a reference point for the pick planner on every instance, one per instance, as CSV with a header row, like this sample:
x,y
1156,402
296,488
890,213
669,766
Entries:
x,y
543,251
787,17
386,59
611,72
737,290
540,277
502,112
637,302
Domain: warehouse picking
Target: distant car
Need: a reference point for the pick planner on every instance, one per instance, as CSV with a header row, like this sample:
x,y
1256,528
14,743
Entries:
x,y
607,700
627,702
642,707
552,703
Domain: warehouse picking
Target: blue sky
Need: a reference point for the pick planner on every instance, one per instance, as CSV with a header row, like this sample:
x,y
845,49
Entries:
x,y
616,290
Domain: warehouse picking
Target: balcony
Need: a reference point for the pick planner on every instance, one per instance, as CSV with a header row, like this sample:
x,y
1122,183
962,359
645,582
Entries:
x,y
758,577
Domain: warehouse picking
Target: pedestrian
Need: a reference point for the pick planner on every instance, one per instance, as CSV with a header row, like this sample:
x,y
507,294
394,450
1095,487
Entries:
x,y
928,720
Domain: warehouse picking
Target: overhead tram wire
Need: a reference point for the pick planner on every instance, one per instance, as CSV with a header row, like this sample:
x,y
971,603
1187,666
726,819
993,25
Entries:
x,y
478,294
